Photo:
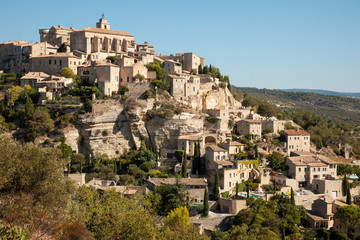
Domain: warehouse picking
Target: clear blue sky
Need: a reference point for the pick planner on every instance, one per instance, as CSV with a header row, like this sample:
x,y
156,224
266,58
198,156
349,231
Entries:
x,y
264,44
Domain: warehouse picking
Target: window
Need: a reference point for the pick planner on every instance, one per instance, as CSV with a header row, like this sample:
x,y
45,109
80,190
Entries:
x,y
49,61
128,79
54,61
299,169
106,69
229,184
193,89
229,175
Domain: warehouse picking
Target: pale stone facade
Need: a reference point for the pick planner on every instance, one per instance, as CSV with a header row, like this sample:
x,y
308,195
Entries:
x,y
100,39
296,140
129,72
274,125
108,78
248,126
172,67
187,143
183,86
56,35
305,168
15,56
53,63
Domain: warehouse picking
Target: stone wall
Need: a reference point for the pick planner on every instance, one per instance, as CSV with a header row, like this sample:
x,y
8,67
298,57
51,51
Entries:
x,y
232,206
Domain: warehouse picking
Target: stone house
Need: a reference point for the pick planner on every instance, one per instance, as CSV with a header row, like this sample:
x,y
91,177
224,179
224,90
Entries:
x,y
56,35
108,78
248,126
296,140
128,73
32,78
329,187
53,63
321,215
306,168
232,147
15,55
172,67
194,186
274,125
187,143
183,86
40,80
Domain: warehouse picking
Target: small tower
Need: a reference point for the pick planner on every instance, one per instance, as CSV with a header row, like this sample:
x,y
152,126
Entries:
x,y
103,23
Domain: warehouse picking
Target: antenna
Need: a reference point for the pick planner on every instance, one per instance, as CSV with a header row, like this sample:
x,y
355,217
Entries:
x,y
103,16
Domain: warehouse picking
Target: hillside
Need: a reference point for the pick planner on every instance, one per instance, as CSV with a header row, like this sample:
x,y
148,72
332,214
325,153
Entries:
x,y
326,92
336,108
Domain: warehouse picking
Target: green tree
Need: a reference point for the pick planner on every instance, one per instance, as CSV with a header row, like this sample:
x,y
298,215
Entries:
x,y
348,195
216,187
345,185
206,204
292,199
68,73
172,196
349,216
276,161
62,48
34,192
38,124
237,190
184,166
113,59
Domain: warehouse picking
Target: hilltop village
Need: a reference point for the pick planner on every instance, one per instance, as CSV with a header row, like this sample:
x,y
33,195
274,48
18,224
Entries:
x,y
134,120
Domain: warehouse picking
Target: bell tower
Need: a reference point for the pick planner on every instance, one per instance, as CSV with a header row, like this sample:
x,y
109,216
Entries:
x,y
103,23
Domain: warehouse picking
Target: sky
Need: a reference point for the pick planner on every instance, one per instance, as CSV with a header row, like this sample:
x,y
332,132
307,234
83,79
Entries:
x,y
274,44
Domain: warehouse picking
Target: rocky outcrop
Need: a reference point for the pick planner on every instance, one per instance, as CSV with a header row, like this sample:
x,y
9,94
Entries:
x,y
105,130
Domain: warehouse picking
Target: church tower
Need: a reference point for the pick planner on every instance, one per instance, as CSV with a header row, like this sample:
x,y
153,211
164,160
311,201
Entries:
x,y
103,23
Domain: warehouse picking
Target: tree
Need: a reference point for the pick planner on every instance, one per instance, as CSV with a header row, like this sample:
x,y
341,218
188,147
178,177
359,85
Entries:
x,y
172,196
184,167
256,152
139,77
348,195
345,185
34,191
276,161
216,187
179,154
206,204
237,190
14,93
349,216
66,150
68,73
62,48
38,124
112,58
292,200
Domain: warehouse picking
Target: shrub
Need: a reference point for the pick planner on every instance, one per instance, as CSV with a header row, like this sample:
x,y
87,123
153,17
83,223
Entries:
x,y
195,209
105,133
212,119
225,194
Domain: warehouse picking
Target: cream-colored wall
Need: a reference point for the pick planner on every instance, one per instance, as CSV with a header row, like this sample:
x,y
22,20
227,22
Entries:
x,y
53,68
108,79
298,143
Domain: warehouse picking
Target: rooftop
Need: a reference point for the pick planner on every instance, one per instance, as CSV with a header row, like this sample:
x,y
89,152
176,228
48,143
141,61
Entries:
x,y
70,55
251,121
217,149
32,75
190,137
185,181
296,132
105,31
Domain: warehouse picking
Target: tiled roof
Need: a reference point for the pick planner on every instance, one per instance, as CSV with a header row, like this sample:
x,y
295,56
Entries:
x,y
32,75
233,143
104,31
296,132
56,55
217,149
223,162
251,121
185,181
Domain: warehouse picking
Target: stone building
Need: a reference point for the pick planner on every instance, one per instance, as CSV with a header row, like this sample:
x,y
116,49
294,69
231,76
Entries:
x,y
128,73
296,140
56,35
306,167
182,86
248,126
274,125
53,63
187,143
194,186
172,67
15,55
107,78
100,39
32,78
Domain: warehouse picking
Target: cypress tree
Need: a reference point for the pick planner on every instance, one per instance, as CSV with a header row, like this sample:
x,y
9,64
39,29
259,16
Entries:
x,y
348,195
160,151
184,166
216,187
156,153
345,185
256,152
274,186
237,190
292,197
206,203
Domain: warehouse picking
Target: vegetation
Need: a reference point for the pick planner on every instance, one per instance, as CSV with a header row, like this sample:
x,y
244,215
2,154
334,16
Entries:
x,y
62,48
113,59
212,119
184,166
276,161
216,187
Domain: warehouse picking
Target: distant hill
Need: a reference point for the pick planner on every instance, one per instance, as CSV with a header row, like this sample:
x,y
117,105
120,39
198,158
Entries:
x,y
337,108
326,92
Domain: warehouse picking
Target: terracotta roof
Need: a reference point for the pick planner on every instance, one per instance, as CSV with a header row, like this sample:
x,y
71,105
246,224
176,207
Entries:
x,y
303,153
223,162
337,202
312,215
217,149
317,164
32,75
105,31
175,76
233,143
106,64
185,181
251,121
296,132
57,55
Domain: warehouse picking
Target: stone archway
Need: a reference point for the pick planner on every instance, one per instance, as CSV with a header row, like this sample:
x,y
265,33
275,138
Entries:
x,y
210,140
